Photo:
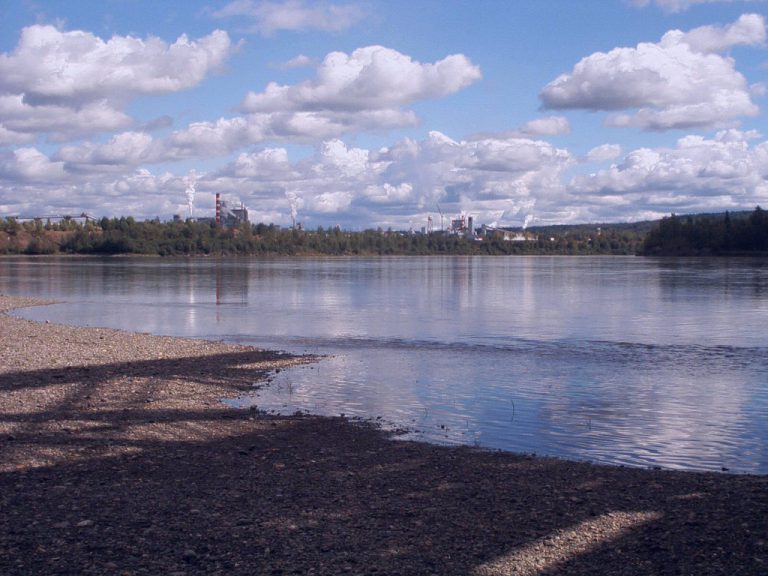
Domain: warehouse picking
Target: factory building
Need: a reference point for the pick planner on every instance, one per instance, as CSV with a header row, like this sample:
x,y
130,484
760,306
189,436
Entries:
x,y
463,226
229,217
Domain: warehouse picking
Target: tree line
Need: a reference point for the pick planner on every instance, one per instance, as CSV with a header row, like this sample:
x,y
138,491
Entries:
x,y
713,234
112,236
697,235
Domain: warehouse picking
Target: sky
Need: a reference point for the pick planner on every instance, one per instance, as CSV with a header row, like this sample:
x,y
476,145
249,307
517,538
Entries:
x,y
384,113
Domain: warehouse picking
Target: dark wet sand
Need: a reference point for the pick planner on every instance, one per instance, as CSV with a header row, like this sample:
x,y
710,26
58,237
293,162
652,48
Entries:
x,y
117,457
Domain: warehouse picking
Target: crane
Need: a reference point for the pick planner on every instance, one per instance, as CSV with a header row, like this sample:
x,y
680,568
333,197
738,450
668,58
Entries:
x,y
441,217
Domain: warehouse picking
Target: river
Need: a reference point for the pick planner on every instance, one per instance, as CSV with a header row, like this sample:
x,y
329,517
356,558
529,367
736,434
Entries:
x,y
620,360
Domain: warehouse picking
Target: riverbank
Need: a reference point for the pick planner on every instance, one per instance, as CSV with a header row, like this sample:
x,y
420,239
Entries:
x,y
117,457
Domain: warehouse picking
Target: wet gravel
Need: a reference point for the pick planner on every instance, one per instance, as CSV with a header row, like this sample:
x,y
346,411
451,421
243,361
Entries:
x,y
117,457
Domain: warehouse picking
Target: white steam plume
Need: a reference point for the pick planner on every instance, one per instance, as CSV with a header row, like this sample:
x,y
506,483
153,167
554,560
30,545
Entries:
x,y
529,219
293,201
191,181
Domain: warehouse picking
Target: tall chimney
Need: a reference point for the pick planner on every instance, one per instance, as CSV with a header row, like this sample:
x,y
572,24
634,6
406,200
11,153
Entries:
x,y
218,209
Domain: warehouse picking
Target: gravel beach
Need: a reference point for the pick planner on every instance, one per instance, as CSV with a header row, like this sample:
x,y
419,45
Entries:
x,y
118,457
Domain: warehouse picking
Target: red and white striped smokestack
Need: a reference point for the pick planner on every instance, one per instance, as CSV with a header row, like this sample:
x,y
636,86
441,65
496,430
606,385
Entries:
x,y
218,209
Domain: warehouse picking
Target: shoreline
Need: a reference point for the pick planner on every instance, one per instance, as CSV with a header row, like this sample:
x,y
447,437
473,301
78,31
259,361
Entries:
x,y
118,457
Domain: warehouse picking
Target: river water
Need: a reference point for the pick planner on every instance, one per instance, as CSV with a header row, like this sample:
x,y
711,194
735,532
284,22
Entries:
x,y
621,360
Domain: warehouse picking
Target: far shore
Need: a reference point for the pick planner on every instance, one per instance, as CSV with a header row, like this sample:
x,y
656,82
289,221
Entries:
x,y
117,456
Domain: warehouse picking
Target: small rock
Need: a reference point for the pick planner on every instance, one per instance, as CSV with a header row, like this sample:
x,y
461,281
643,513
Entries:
x,y
189,555
84,523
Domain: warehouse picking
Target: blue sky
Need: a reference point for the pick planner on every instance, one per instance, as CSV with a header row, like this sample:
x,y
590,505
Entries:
x,y
368,114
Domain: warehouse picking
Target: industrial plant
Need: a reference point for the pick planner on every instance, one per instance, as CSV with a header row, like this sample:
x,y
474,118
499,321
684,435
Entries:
x,y
225,216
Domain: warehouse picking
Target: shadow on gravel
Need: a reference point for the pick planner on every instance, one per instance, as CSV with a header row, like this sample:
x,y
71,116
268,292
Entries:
x,y
239,368
218,491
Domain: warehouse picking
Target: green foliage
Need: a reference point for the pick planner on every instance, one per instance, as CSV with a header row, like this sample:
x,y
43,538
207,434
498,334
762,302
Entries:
x,y
41,245
10,226
709,234
129,236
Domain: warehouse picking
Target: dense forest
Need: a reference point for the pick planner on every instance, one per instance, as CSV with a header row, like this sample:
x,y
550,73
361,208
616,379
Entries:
x,y
129,236
709,234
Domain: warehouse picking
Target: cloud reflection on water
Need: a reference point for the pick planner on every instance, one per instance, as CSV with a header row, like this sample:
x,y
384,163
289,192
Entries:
x,y
624,360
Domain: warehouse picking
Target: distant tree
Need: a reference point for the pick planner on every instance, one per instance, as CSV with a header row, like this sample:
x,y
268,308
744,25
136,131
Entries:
x,y
704,235
12,226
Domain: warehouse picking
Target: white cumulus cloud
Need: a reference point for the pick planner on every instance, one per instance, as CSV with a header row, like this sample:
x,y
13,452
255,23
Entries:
x,y
50,65
123,150
387,193
679,82
697,175
29,165
497,178
549,126
370,78
268,165
59,122
366,91
604,153
300,61
501,179
66,84
748,30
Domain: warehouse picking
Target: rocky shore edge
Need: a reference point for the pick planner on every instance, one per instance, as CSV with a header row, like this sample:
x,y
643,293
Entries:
x,y
118,457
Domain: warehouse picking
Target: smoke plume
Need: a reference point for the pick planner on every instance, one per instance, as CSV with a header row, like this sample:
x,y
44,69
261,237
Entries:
x,y
293,201
191,181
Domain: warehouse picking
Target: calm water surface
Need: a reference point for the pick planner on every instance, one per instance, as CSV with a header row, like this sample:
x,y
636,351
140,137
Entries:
x,y
617,360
